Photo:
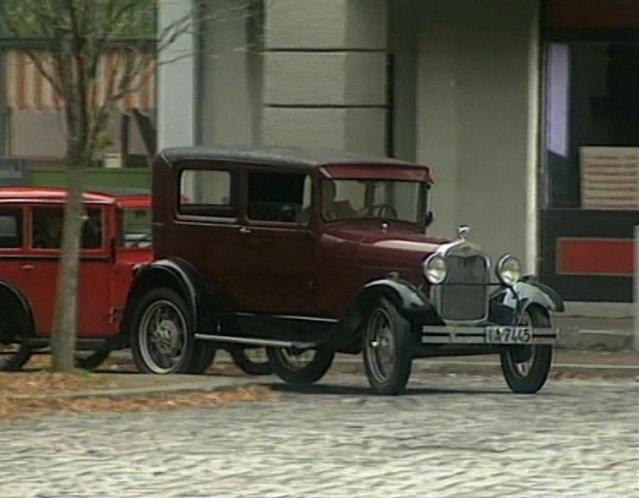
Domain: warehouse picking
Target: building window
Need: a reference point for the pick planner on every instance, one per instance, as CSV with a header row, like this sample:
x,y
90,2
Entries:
x,y
592,125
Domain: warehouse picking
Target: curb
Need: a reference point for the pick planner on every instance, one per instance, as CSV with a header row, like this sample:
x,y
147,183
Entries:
x,y
183,388
494,368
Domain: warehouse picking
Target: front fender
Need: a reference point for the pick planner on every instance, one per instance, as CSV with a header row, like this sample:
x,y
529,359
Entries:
x,y
527,292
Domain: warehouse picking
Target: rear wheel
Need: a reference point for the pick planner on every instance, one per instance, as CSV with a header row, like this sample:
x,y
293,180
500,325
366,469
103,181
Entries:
x,y
300,367
161,336
15,350
526,368
253,361
388,348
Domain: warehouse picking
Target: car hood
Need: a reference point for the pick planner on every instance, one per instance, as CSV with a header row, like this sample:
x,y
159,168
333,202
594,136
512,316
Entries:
x,y
379,252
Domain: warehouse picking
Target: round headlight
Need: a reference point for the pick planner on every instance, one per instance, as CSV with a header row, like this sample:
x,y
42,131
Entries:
x,y
435,269
508,270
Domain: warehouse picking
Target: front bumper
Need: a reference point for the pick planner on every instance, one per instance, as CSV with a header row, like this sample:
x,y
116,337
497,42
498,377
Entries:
x,y
453,334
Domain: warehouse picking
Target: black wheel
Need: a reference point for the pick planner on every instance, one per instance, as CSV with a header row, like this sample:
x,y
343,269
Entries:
x,y
90,360
526,368
253,361
15,350
388,349
203,356
161,336
300,368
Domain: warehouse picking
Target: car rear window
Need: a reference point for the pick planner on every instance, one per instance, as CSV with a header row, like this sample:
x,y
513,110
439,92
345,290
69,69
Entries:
x,y
208,193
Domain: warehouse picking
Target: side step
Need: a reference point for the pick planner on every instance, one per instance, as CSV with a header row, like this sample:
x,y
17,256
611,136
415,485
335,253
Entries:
x,y
254,341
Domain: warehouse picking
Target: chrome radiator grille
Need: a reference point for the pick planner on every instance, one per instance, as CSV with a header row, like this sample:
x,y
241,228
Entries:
x,y
465,295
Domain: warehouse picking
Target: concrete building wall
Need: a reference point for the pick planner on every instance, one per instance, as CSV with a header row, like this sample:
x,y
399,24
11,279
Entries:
x,y
325,74
229,97
176,79
474,123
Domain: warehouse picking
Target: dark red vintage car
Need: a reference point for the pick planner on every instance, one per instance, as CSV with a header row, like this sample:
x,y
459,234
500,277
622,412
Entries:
x,y
309,254
116,236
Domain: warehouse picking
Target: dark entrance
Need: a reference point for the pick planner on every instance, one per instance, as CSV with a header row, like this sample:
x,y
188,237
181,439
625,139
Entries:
x,y
590,148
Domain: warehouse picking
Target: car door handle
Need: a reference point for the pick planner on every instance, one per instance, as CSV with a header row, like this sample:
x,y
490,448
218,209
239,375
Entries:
x,y
245,230
27,267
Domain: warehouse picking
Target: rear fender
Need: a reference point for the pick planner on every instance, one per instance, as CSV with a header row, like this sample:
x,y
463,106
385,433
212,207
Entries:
x,y
181,276
21,300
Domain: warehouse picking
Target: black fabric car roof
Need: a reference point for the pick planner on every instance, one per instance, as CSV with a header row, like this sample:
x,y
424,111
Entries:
x,y
300,158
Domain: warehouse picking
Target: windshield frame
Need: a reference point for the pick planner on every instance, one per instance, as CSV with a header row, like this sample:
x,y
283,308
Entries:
x,y
423,202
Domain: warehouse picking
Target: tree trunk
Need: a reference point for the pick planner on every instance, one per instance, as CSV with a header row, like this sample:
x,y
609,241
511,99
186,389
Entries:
x,y
66,309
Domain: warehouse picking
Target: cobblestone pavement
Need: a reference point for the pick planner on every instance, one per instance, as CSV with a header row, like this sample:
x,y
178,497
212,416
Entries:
x,y
448,436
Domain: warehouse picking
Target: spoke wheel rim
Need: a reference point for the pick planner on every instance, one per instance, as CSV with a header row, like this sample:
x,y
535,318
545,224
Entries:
x,y
380,344
256,355
523,368
296,361
163,336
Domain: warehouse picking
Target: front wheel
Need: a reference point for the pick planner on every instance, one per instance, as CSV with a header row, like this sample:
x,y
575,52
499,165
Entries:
x,y
161,336
300,368
388,348
526,368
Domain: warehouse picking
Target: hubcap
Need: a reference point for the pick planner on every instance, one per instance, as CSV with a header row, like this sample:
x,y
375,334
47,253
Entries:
x,y
381,345
163,336
523,368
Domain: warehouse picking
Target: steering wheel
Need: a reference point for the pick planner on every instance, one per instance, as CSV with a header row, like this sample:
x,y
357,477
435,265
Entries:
x,y
384,211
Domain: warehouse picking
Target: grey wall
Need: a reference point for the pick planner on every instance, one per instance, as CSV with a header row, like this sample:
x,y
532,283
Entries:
x,y
473,129
325,74
229,101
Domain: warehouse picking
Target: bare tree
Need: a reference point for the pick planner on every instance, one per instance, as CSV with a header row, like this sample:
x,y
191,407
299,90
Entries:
x,y
76,35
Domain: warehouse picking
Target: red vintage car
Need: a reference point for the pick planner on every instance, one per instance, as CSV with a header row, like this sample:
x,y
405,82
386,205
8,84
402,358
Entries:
x,y
116,236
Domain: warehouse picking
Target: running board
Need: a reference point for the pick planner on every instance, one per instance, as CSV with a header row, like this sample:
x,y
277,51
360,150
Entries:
x,y
252,341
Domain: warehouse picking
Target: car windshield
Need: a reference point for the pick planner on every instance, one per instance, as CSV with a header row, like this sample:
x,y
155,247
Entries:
x,y
136,227
383,199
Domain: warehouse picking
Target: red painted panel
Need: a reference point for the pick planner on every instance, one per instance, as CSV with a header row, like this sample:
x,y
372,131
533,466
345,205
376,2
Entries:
x,y
595,256
594,14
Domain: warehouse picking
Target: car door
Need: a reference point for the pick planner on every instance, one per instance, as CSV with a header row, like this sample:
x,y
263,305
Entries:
x,y
205,229
41,269
277,249
12,245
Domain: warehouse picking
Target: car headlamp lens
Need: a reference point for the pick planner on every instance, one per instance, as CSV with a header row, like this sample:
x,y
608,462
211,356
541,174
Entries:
x,y
435,269
508,270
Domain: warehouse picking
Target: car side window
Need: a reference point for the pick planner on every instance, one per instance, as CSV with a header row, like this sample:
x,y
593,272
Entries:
x,y
208,193
92,229
279,197
46,228
10,228
47,225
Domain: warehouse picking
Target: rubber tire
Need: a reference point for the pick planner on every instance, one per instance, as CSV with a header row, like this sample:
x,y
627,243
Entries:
x,y
141,305
92,361
404,342
304,376
11,317
541,360
248,366
203,357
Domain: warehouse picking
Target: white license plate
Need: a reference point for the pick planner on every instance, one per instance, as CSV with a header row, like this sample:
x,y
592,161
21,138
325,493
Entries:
x,y
502,334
